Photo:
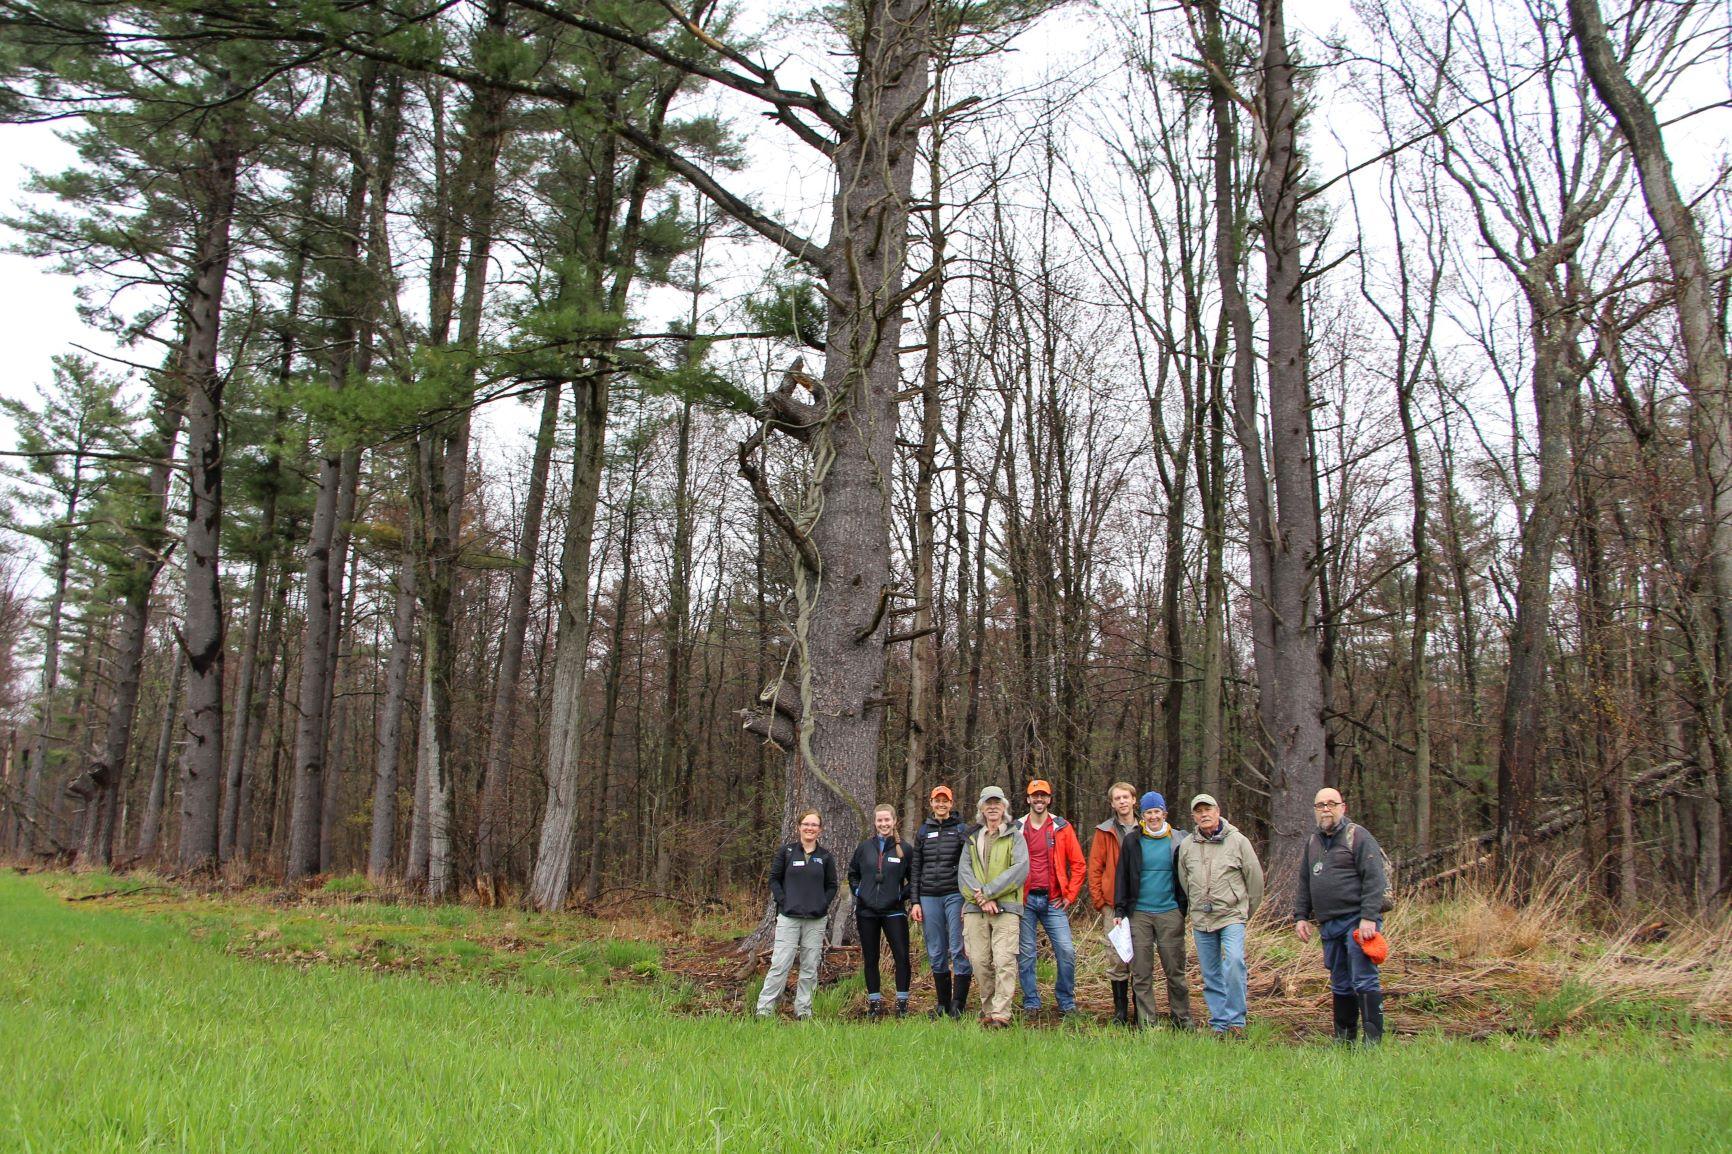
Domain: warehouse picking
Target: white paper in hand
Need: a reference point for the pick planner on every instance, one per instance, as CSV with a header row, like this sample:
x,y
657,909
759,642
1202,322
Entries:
x,y
1120,939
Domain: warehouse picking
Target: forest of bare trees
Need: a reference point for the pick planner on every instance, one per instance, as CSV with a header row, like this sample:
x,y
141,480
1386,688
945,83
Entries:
x,y
547,444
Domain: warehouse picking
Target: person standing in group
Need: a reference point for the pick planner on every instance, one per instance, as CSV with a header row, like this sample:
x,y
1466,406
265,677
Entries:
x,y
1150,897
803,884
879,876
990,877
1055,878
1103,872
1342,887
937,903
1223,882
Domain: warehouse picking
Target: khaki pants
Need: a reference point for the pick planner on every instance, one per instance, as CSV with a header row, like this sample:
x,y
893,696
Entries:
x,y
1162,934
992,941
1117,971
795,937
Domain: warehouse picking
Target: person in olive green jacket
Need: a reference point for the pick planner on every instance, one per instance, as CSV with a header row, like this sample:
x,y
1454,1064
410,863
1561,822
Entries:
x,y
990,876
1223,881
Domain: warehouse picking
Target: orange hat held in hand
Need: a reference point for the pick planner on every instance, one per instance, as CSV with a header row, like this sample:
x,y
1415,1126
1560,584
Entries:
x,y
1374,945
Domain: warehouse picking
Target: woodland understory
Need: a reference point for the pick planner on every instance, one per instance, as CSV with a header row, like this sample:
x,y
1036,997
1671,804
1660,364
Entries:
x,y
548,445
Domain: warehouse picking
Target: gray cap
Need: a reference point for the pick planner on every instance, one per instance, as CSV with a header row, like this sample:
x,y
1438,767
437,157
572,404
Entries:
x,y
1204,799
992,793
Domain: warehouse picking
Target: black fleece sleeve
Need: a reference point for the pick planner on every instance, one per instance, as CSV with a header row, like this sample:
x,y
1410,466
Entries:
x,y
829,879
907,873
778,867
854,870
1302,888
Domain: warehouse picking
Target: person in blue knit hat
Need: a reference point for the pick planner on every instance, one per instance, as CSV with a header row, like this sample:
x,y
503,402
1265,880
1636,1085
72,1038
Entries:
x,y
1151,896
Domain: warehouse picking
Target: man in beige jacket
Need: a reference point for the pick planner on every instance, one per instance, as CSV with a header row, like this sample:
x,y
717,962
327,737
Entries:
x,y
1223,883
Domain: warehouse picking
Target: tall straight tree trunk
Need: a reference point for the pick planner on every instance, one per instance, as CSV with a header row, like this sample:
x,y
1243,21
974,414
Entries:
x,y
1524,688
1295,718
443,462
551,882
322,599
383,834
1699,325
490,840
206,623
150,827
1229,240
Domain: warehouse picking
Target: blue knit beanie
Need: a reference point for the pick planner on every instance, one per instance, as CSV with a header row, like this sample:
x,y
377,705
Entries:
x,y
1151,800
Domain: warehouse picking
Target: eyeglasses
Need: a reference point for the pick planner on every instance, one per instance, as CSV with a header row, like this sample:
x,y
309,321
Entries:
x,y
1327,805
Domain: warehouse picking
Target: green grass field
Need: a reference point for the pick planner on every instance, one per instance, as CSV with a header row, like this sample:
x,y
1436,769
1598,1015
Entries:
x,y
126,1030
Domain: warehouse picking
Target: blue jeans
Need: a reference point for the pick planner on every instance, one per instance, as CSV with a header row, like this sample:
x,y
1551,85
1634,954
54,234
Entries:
x,y
941,928
1038,908
1221,957
1350,971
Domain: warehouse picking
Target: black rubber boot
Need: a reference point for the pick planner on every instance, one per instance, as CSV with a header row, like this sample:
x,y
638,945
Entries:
x,y
1121,1003
941,983
1371,1017
959,1005
1346,1017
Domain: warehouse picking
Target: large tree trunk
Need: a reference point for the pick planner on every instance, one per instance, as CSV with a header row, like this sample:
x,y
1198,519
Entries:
x,y
1295,717
1229,226
1524,687
551,882
201,791
841,536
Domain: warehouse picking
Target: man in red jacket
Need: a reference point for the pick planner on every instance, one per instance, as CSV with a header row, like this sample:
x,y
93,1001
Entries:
x,y
1055,878
1103,875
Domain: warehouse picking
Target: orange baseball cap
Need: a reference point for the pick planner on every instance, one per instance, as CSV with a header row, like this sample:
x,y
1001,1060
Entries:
x,y
943,791
1039,785
1374,945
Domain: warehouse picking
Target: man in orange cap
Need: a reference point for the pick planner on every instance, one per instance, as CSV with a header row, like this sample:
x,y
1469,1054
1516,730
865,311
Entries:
x,y
1343,887
1055,877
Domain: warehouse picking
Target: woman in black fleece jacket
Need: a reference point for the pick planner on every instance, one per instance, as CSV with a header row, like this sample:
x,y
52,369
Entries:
x,y
880,877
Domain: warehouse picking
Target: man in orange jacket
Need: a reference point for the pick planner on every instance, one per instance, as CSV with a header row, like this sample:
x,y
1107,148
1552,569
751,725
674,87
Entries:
x,y
1055,879
1103,873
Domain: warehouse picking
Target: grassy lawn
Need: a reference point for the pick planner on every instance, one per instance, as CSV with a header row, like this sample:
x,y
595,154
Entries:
x,y
126,1029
